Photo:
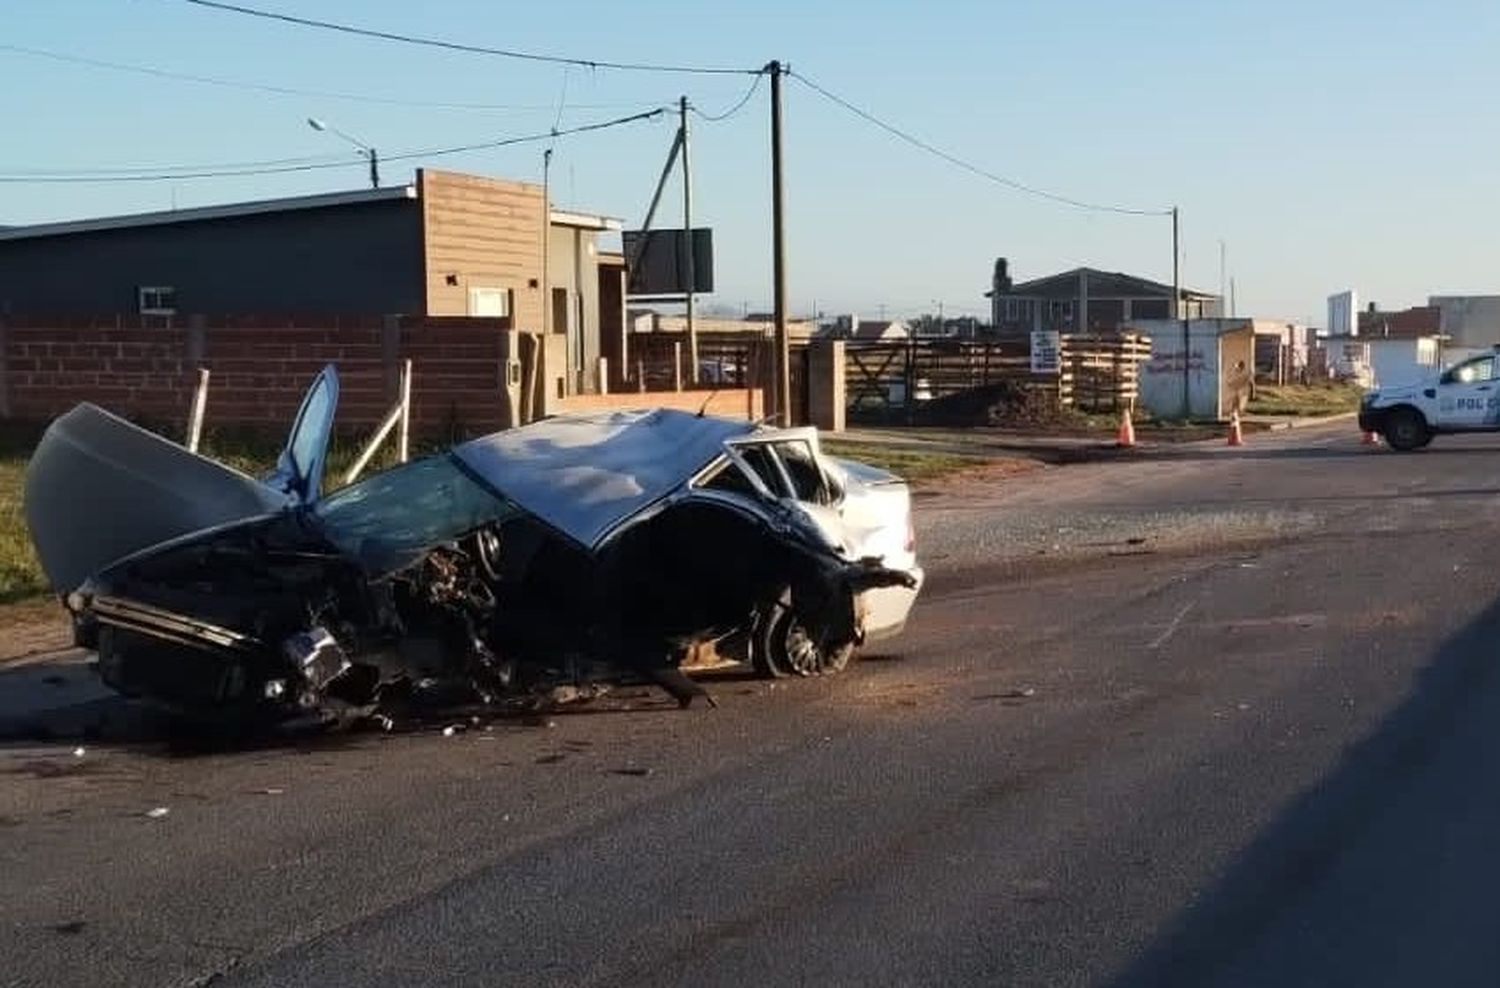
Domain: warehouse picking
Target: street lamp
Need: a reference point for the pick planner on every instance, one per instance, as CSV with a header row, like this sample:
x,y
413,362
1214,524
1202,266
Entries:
x,y
364,149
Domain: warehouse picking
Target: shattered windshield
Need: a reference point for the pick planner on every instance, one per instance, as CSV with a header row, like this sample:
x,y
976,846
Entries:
x,y
393,516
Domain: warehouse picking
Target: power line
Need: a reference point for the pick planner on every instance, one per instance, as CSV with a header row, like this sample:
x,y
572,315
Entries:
x,y
736,108
160,73
232,171
952,159
412,39
332,160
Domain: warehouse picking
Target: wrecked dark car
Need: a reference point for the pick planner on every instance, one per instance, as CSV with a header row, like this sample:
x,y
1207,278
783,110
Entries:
x,y
572,550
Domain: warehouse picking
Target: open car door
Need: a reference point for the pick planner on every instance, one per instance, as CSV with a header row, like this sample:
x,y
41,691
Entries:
x,y
299,470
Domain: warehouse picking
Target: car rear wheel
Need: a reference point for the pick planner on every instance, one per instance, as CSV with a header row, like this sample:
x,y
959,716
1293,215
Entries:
x,y
784,645
1406,430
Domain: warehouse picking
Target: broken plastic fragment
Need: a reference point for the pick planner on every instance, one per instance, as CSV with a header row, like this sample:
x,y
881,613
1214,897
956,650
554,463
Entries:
x,y
157,812
79,752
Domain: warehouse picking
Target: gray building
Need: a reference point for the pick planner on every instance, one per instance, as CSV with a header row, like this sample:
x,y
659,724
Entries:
x,y
1469,320
448,244
1086,300
347,252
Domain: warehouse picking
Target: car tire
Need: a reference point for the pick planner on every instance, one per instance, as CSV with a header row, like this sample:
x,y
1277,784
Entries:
x,y
781,645
1406,430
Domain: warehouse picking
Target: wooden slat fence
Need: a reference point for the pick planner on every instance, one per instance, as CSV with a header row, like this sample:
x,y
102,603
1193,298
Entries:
x,y
892,379
1102,373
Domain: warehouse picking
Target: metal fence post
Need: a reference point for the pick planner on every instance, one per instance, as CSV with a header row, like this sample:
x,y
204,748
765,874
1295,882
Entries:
x,y
403,434
195,415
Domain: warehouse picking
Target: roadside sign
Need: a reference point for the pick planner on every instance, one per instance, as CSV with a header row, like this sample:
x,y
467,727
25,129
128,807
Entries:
x,y
1044,352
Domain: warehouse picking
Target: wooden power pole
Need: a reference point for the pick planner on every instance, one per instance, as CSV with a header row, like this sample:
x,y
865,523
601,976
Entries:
x,y
783,376
688,241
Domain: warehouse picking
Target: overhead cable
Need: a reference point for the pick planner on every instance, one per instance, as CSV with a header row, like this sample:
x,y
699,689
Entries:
x,y
953,159
150,70
230,171
412,39
736,108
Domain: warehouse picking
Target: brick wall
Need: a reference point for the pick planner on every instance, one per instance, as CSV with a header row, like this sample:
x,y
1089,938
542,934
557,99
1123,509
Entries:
x,y
260,369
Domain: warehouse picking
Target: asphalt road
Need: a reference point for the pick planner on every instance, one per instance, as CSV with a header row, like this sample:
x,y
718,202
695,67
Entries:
x,y
1200,716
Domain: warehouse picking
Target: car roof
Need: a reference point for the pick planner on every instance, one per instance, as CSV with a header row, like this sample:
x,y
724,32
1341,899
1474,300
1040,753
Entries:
x,y
587,474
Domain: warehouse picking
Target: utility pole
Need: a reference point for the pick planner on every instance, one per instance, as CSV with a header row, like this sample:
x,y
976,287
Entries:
x,y
1178,313
688,239
546,242
778,258
1222,297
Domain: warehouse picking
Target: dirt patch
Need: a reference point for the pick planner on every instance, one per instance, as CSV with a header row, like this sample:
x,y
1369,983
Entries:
x,y
32,628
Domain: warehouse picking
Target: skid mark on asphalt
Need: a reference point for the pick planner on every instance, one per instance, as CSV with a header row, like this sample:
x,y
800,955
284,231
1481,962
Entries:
x,y
1171,628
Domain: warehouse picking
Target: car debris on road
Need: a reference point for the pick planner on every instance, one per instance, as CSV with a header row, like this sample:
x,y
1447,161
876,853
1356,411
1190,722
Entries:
x,y
530,562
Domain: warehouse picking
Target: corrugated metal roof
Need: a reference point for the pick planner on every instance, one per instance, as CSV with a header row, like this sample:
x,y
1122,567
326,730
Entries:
x,y
200,213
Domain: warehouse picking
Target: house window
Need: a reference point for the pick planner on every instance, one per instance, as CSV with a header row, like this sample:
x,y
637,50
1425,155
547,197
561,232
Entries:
x,y
157,300
489,302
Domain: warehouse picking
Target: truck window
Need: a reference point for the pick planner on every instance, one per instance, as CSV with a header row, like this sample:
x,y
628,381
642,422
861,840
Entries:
x,y
1472,371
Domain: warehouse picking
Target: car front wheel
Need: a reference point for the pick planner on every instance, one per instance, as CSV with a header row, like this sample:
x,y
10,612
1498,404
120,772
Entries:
x,y
784,645
1406,430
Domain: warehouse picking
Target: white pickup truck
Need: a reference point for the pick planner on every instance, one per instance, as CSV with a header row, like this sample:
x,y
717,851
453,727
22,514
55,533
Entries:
x,y
1463,398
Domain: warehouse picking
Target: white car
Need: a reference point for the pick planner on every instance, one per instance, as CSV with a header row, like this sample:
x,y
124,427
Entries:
x,y
1463,398
570,549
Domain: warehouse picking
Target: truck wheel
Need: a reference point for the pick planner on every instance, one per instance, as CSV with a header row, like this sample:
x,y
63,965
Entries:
x,y
1406,430
781,645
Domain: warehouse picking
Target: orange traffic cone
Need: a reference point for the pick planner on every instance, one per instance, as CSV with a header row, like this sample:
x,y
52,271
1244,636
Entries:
x,y
1236,433
1126,435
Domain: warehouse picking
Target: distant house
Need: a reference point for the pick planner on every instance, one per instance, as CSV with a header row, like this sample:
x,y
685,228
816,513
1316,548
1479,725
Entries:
x,y
1470,320
1419,320
882,329
852,327
1087,299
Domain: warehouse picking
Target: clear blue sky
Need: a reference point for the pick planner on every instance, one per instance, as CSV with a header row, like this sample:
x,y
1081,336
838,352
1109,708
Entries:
x,y
1330,144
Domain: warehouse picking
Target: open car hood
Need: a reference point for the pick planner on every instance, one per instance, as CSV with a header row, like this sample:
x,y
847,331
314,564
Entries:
x,y
99,489
586,474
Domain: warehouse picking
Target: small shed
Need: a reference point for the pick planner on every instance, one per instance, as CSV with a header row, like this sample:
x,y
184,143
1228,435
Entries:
x,y
1215,372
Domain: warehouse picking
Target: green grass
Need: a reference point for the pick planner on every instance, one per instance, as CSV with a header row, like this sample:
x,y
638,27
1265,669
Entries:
x,y
912,464
1306,399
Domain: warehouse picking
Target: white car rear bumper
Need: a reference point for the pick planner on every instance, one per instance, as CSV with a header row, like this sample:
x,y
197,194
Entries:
x,y
886,608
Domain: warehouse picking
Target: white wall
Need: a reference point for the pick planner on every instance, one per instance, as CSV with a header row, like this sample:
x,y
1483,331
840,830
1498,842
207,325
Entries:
x,y
1161,376
1342,320
1398,361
